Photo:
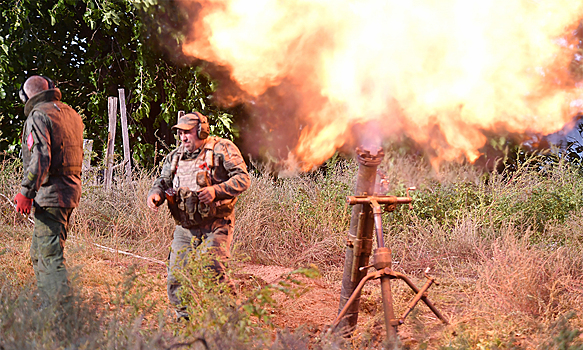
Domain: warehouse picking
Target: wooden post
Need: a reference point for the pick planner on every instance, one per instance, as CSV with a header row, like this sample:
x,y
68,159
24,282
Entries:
x,y
87,153
124,133
112,109
180,115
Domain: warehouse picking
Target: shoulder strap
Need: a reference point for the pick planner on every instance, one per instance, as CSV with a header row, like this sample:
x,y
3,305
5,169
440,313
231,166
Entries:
x,y
209,148
176,159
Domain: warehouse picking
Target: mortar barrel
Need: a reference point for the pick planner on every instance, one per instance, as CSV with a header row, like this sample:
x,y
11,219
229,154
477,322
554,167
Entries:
x,y
365,186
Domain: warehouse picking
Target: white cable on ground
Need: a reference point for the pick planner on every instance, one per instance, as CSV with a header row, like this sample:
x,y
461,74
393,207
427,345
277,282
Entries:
x,y
129,254
160,262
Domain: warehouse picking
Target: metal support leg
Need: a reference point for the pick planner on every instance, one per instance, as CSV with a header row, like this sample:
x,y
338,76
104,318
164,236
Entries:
x,y
390,322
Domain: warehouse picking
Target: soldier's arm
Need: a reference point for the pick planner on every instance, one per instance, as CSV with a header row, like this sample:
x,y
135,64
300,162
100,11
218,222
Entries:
x,y
238,177
37,140
164,181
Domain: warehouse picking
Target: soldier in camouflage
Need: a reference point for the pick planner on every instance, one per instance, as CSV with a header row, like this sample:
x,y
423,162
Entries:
x,y
52,154
200,180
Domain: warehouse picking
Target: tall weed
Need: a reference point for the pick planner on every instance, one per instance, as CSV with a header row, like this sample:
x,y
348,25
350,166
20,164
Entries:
x,y
78,323
119,218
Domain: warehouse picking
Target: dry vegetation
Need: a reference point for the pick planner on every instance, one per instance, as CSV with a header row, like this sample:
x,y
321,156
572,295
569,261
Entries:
x,y
505,248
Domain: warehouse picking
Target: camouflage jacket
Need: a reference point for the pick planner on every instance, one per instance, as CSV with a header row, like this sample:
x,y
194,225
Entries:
x,y
229,173
52,151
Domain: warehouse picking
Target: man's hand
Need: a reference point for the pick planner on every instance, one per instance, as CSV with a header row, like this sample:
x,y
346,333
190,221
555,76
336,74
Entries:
x,y
23,204
207,194
153,200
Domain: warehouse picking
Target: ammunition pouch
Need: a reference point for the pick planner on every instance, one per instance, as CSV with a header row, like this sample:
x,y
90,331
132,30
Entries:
x,y
189,212
187,205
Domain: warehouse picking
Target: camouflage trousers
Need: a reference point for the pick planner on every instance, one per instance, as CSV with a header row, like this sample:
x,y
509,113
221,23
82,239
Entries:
x,y
46,251
215,238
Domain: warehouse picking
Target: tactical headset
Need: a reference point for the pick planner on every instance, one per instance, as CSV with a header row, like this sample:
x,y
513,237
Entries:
x,y
23,95
203,129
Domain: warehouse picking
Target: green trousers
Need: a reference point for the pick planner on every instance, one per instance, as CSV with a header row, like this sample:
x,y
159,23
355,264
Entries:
x,y
215,237
46,251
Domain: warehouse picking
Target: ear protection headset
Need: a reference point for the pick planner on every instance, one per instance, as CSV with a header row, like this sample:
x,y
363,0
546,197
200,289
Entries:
x,y
203,129
23,95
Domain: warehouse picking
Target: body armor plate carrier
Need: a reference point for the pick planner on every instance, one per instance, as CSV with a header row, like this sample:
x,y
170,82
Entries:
x,y
190,176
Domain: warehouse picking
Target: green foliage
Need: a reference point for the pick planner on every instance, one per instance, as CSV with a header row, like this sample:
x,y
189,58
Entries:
x,y
445,202
563,336
533,190
93,48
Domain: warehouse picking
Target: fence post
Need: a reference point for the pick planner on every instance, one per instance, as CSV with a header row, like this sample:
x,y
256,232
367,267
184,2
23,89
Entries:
x,y
124,133
112,109
87,154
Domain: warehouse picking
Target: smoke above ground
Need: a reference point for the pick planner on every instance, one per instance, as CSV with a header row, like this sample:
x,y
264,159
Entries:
x,y
319,76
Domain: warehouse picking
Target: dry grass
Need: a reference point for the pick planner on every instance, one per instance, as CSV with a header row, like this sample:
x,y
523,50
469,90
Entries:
x,y
505,248
121,219
295,221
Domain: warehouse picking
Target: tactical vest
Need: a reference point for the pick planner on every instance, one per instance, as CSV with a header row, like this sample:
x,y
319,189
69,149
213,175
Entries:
x,y
195,173
66,137
190,176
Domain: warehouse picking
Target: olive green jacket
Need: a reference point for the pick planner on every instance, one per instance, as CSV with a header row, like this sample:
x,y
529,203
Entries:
x,y
52,151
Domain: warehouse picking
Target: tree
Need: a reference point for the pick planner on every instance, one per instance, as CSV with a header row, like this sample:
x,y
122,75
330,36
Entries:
x,y
91,49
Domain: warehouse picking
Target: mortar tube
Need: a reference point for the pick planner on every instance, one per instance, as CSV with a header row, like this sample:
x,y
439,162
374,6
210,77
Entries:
x,y
365,185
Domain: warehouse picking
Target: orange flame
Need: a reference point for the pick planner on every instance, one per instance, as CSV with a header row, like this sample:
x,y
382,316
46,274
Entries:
x,y
440,72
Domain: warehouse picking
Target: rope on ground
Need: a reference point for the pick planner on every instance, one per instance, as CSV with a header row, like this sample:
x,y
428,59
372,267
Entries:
x,y
160,262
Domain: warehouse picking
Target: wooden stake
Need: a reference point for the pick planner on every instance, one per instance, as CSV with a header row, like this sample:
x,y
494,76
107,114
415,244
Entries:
x,y
112,109
87,154
124,133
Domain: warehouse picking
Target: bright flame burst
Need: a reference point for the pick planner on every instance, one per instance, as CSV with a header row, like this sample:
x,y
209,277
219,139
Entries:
x,y
439,71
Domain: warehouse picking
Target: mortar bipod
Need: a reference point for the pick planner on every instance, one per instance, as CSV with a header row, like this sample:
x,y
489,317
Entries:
x,y
382,262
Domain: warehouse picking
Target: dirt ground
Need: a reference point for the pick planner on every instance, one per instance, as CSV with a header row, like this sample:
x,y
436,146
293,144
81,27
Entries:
x,y
312,310
317,306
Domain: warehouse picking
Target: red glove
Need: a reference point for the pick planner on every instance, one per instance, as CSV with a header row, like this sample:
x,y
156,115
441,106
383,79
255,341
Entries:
x,y
23,204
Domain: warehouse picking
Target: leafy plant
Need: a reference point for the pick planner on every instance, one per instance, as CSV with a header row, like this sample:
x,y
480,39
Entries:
x,y
91,50
563,335
213,305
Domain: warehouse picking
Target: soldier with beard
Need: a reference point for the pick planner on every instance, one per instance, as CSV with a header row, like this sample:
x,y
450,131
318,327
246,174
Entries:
x,y
201,180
